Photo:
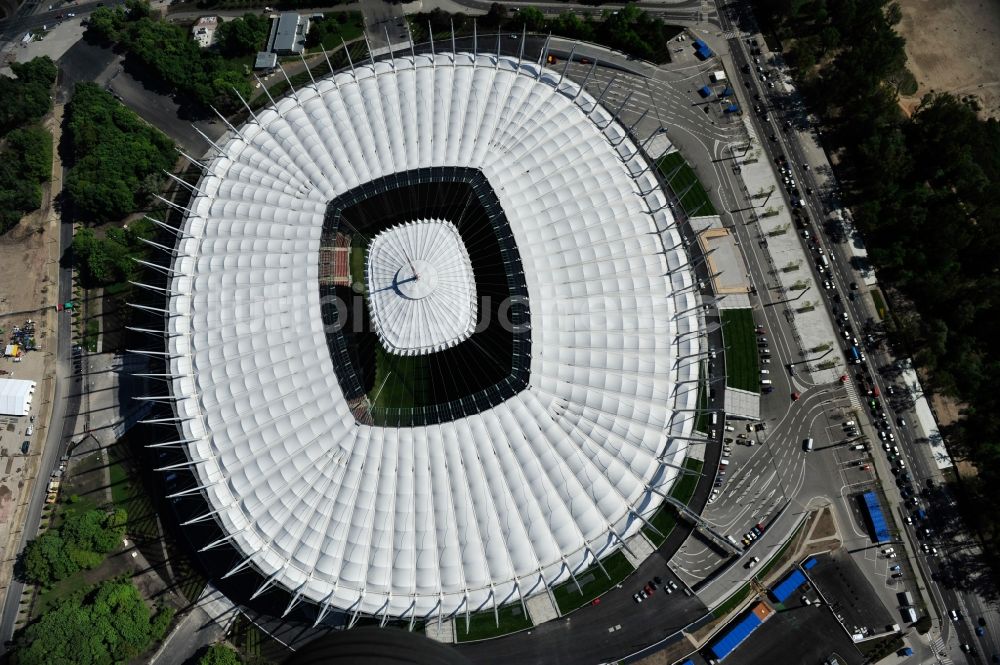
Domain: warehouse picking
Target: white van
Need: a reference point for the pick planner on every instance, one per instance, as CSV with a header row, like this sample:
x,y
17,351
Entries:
x,y
715,419
825,261
859,446
849,423
807,445
765,382
765,372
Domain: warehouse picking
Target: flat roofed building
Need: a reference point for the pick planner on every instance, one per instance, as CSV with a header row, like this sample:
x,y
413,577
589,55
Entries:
x,y
204,30
288,34
265,60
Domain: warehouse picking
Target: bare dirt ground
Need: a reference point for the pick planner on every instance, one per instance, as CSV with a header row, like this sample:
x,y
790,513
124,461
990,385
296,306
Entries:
x,y
29,254
953,46
825,527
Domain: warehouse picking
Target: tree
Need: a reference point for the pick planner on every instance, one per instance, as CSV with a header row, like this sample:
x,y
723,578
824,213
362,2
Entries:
x,y
531,18
114,153
161,622
105,24
242,36
33,147
25,162
107,625
220,654
47,559
26,97
496,16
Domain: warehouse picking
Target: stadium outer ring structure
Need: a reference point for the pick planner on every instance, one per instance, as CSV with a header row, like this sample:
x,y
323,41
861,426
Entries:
x,y
469,514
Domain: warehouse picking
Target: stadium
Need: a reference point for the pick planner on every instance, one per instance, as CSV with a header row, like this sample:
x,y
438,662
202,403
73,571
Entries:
x,y
432,339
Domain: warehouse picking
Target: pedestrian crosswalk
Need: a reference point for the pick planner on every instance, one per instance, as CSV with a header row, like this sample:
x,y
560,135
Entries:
x,y
852,396
937,646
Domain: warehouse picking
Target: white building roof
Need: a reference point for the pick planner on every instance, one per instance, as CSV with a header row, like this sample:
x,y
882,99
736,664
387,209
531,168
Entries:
x,y
421,287
15,396
466,513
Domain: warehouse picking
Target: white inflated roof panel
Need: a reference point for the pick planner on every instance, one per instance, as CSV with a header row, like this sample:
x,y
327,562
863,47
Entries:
x,y
461,514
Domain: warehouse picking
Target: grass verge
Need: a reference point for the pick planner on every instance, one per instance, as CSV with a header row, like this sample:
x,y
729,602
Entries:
x,y
742,362
484,625
701,422
91,333
333,30
733,601
684,183
664,520
684,488
877,649
593,582
879,303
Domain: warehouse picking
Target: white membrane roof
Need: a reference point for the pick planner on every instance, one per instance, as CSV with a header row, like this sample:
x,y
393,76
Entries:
x,y
421,287
473,512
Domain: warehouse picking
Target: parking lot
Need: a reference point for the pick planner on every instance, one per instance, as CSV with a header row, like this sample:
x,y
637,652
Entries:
x,y
849,593
796,635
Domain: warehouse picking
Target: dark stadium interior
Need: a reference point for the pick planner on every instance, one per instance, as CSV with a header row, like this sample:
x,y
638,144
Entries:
x,y
437,387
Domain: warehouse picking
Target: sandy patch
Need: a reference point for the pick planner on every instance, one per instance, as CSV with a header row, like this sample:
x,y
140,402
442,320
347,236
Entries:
x,y
953,46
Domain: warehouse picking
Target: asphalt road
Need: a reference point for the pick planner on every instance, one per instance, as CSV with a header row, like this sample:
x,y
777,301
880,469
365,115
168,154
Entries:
x,y
778,468
66,404
916,455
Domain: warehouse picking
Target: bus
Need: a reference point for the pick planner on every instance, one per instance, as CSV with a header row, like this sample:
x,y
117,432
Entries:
x,y
855,355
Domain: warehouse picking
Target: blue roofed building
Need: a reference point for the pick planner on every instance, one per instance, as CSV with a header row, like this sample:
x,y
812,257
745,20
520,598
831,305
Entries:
x,y
880,528
786,587
737,632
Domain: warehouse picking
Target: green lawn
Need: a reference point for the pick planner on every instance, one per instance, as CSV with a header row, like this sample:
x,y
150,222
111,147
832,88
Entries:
x,y
733,601
400,381
483,625
593,582
879,303
358,250
695,201
319,68
90,335
128,492
333,30
701,421
665,519
774,560
686,484
740,339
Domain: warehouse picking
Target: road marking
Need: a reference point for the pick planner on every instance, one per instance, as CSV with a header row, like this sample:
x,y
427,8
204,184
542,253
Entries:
x,y
852,396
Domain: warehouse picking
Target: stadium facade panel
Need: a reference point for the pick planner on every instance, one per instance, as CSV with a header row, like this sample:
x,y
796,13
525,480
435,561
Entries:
x,y
486,506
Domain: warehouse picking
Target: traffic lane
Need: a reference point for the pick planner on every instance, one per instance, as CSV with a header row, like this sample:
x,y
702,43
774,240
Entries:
x,y
616,627
47,17
59,430
10,29
759,264
793,148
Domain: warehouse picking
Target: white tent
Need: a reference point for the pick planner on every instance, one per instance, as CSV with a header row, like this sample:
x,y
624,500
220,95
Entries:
x,y
15,396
